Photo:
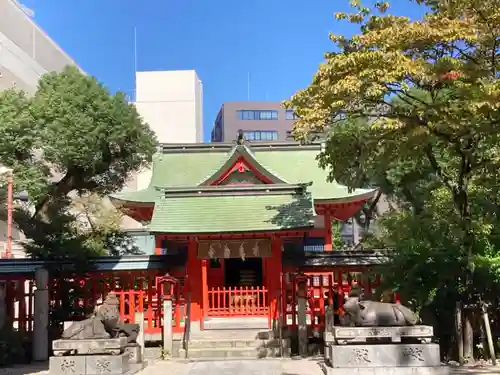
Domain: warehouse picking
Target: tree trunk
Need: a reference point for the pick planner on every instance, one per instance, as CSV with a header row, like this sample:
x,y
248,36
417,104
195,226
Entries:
x,y
468,334
459,332
58,189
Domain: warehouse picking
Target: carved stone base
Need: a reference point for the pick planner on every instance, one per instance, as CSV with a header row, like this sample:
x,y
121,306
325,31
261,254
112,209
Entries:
x,y
67,365
134,353
90,365
433,370
346,335
91,346
107,364
398,355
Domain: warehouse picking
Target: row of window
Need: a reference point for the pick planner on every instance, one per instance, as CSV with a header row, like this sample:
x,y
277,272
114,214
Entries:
x,y
246,114
262,135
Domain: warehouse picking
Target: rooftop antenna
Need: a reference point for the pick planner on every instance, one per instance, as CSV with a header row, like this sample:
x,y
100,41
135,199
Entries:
x,y
248,87
135,63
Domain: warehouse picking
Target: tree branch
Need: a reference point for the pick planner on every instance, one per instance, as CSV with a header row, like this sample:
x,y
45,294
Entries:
x,y
446,180
61,188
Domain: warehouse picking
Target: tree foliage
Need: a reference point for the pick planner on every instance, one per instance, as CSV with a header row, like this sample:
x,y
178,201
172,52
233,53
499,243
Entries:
x,y
412,107
72,138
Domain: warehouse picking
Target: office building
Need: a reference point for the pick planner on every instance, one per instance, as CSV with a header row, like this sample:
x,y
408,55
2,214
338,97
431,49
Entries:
x,y
260,122
26,51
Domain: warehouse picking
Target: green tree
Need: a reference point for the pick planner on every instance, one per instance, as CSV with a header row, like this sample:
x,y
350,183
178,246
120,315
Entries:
x,y
72,138
100,223
413,107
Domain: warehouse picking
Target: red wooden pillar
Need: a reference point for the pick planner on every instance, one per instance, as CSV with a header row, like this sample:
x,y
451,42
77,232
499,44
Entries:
x,y
204,286
328,231
193,271
158,244
274,270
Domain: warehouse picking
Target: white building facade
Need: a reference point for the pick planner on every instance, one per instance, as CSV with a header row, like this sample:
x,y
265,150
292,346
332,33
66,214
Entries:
x,y
171,102
26,51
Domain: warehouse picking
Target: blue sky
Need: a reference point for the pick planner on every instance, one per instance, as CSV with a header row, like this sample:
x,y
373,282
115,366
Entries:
x,y
279,42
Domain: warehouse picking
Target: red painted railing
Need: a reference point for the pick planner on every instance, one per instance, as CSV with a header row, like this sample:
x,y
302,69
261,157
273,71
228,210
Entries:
x,y
136,291
238,301
323,289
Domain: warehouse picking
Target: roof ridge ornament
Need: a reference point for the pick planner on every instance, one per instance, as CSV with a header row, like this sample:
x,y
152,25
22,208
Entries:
x,y
241,138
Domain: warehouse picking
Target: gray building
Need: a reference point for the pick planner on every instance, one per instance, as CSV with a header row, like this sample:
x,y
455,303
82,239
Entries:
x,y
26,51
260,121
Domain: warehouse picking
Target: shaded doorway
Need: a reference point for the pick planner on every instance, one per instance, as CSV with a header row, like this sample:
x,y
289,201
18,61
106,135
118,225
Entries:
x,y
243,273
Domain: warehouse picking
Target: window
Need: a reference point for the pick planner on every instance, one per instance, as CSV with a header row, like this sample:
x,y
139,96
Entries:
x,y
264,135
290,115
257,115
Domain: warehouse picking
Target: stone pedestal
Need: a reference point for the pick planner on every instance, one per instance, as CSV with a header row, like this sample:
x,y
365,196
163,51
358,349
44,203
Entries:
x,y
408,355
346,335
442,370
90,346
95,356
382,350
134,353
90,365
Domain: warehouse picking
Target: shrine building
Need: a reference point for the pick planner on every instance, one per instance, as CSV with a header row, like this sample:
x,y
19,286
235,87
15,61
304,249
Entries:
x,y
234,213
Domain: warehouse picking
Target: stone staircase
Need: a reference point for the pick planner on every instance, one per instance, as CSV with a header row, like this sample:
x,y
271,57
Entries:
x,y
230,339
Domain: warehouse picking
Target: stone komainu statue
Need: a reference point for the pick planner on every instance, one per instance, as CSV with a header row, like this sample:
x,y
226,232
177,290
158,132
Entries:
x,y
105,323
363,313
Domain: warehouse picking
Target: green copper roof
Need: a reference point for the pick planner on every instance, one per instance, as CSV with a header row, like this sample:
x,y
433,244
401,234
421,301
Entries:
x,y
192,165
232,213
148,195
300,166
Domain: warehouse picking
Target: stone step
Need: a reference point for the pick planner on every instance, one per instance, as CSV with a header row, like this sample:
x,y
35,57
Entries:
x,y
226,343
227,324
223,353
236,348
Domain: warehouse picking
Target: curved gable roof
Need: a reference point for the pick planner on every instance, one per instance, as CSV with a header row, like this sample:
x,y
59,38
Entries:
x,y
182,166
241,151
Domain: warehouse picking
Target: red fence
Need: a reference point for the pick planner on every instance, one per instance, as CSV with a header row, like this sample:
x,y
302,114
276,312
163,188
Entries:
x,y
74,299
324,289
242,301
138,291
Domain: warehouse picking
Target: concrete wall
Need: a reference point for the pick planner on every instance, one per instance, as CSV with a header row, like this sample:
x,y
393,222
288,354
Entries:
x,y
171,102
